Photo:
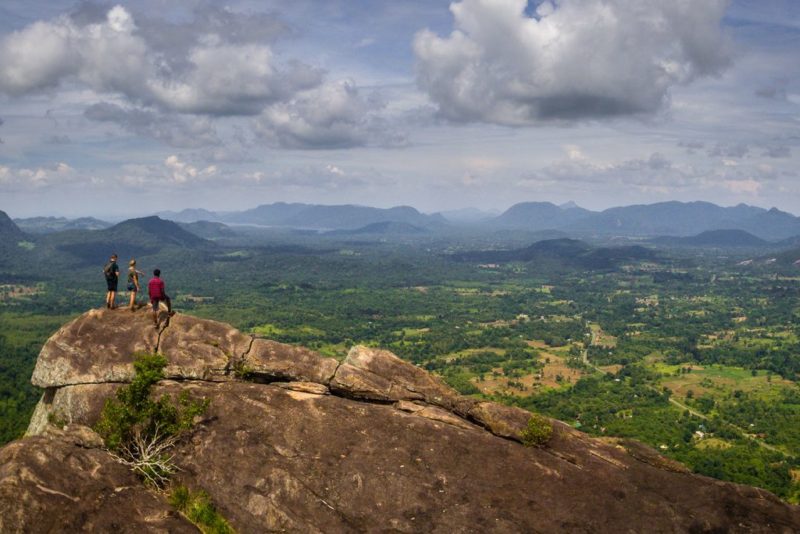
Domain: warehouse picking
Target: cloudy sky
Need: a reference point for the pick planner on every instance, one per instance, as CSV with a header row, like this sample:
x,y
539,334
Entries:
x,y
115,109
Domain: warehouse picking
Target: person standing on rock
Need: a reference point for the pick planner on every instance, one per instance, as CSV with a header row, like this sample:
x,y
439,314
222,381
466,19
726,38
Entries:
x,y
133,283
158,293
111,272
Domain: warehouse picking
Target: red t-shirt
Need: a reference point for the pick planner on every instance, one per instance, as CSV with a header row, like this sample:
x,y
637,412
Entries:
x,y
156,288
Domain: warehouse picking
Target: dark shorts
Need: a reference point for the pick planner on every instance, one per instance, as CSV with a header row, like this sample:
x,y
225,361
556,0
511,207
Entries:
x,y
155,302
131,287
112,284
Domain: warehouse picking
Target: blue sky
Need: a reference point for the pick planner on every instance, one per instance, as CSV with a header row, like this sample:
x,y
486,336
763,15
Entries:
x,y
133,107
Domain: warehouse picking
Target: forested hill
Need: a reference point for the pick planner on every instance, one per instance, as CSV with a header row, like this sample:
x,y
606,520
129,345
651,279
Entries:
x,y
9,232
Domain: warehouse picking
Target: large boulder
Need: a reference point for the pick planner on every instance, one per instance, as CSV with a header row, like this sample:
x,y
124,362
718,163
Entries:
x,y
200,348
95,348
98,347
79,404
274,459
63,482
272,361
374,374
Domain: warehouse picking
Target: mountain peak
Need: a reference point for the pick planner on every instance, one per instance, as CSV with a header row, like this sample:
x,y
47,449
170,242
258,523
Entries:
x,y
165,231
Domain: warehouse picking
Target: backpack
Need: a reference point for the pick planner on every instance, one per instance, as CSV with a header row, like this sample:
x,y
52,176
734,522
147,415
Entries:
x,y
108,271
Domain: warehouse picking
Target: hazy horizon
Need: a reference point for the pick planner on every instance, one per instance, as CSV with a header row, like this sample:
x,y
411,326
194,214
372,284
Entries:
x,y
128,108
117,216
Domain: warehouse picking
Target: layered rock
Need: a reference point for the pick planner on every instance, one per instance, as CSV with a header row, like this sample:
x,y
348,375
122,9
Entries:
x,y
294,441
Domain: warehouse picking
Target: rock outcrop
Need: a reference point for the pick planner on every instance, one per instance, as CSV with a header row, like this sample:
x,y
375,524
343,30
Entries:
x,y
294,441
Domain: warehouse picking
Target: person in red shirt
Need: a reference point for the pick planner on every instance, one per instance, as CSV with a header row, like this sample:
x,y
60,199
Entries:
x,y
158,293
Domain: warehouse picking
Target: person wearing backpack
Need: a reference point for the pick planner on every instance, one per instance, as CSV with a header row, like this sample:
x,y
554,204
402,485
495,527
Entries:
x,y
111,272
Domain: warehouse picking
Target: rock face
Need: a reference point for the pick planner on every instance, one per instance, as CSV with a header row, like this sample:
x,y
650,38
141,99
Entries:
x,y
62,481
297,442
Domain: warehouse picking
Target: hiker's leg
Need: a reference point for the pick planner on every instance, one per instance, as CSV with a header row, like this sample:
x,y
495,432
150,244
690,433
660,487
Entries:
x,y
169,304
113,299
132,300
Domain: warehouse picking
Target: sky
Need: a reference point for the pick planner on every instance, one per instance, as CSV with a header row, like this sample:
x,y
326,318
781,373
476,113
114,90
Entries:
x,y
128,108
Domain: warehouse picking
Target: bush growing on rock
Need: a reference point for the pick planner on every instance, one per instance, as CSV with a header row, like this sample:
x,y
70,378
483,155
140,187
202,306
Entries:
x,y
140,430
199,509
538,431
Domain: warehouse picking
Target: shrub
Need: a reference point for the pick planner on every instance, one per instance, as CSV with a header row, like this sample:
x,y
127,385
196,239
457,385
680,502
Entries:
x,y
199,509
538,431
140,430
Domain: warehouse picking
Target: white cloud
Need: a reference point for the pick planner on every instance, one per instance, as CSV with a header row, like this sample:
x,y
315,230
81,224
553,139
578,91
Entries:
x,y
333,115
575,59
112,56
182,172
55,174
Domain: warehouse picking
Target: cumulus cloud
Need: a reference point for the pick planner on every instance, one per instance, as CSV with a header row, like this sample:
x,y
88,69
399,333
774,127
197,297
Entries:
x,y
182,172
174,130
572,59
215,76
333,115
39,177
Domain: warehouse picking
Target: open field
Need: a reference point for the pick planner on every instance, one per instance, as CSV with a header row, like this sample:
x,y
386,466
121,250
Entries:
x,y
720,381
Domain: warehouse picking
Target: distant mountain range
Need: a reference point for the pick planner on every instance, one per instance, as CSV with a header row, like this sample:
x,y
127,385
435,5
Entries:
x,y
311,216
660,219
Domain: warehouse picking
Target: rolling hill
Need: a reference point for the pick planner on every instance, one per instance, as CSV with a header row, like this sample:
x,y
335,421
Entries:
x,y
539,216
714,239
130,239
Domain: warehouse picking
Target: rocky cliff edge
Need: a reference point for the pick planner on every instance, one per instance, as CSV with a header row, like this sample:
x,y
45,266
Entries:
x,y
294,441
